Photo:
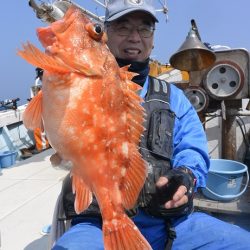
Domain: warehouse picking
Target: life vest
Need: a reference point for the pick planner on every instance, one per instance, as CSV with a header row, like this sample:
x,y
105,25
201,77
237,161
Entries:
x,y
157,141
41,140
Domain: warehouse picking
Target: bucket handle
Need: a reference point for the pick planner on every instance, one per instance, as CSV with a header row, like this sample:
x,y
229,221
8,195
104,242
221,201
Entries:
x,y
230,196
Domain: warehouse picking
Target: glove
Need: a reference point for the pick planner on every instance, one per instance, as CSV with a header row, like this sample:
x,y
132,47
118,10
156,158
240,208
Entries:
x,y
177,177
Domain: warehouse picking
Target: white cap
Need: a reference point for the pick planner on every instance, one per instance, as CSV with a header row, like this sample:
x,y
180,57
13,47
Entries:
x,y
118,8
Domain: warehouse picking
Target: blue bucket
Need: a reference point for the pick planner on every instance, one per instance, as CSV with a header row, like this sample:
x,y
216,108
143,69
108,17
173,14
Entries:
x,y
7,158
224,181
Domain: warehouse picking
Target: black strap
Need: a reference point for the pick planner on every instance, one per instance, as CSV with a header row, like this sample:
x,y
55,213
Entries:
x,y
171,233
158,89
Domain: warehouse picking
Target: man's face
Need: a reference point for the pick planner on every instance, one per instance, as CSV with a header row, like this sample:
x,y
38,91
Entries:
x,y
131,36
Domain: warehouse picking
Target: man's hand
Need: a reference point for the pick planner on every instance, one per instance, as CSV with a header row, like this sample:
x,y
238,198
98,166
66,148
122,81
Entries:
x,y
176,188
179,197
173,196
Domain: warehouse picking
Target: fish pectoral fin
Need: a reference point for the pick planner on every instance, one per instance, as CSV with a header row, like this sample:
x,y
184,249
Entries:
x,y
39,59
120,234
32,117
85,69
83,194
87,64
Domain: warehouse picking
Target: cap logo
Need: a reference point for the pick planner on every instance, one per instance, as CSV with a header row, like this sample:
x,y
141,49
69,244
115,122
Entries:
x,y
135,2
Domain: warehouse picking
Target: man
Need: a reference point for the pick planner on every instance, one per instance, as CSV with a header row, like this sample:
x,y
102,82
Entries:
x,y
41,140
174,145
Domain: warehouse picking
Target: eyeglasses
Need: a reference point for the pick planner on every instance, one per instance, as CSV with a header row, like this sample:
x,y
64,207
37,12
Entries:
x,y
144,31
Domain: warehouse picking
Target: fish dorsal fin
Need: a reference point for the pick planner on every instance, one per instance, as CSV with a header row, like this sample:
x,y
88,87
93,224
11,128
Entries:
x,y
125,74
32,117
133,86
39,59
136,171
83,194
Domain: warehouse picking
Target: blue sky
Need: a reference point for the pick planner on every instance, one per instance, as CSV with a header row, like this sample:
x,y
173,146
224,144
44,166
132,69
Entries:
x,y
223,22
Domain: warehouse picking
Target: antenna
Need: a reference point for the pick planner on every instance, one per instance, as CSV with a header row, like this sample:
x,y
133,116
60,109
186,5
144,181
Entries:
x,y
164,8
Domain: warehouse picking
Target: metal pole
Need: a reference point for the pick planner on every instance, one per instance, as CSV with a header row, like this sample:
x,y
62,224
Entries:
x,y
228,131
228,138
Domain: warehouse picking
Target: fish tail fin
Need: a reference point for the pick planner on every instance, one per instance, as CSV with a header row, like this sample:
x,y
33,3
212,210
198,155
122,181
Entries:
x,y
122,234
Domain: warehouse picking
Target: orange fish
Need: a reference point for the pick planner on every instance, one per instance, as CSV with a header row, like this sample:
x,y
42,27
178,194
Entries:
x,y
93,118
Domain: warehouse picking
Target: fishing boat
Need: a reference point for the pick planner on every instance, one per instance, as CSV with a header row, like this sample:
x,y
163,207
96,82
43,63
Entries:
x,y
30,185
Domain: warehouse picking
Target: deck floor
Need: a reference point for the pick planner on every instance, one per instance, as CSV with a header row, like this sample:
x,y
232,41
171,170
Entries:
x,y
28,192
235,211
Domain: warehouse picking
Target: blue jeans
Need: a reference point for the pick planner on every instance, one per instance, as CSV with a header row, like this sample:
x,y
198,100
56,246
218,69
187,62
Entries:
x,y
197,231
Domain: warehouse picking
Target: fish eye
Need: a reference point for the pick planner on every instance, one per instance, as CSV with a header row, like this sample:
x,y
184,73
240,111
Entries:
x,y
98,28
96,31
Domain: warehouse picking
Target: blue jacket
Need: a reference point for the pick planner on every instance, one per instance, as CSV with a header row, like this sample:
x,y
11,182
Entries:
x,y
190,143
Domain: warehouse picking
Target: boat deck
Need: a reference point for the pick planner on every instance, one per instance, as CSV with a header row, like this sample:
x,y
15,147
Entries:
x,y
236,211
28,193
